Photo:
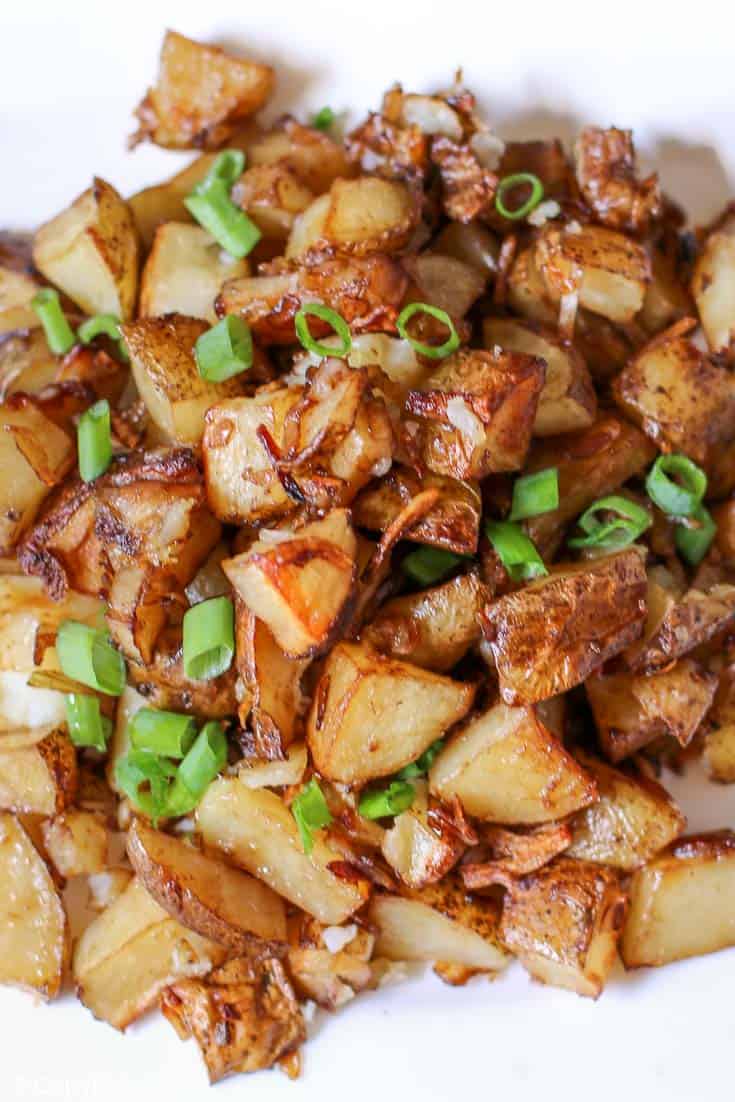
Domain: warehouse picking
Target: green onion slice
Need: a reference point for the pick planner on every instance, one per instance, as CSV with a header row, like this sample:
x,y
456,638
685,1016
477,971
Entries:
x,y
516,551
535,494
107,325
209,638
381,802
423,763
59,333
167,734
224,350
693,543
89,657
338,323
509,182
140,768
311,813
94,441
679,498
87,726
433,352
210,204
631,521
427,565
323,119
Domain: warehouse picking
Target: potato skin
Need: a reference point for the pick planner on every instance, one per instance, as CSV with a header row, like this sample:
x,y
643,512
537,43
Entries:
x,y
606,177
690,621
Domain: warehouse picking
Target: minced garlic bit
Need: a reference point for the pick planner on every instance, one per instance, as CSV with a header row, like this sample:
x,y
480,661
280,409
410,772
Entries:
x,y
461,416
545,211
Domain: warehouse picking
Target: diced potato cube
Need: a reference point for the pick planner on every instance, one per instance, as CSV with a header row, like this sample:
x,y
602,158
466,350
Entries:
x,y
184,273
713,284
606,167
719,743
420,847
685,623
76,842
38,773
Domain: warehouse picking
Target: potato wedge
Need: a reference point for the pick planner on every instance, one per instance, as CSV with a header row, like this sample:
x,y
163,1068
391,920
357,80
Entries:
x,y
90,251
681,902
257,832
34,935
371,715
550,635
40,776
206,895
184,273
77,842
713,285
506,767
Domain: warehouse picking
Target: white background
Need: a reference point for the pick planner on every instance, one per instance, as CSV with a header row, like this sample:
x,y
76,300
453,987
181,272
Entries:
x,y
70,73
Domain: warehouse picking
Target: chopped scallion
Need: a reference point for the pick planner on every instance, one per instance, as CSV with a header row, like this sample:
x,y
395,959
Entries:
x,y
209,638
87,726
167,734
381,802
627,523
535,494
311,813
433,352
515,550
88,656
59,334
679,498
516,180
694,537
427,565
94,441
210,204
224,350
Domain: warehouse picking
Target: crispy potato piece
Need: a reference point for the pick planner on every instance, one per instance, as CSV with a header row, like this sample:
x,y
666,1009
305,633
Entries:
x,y
316,158
29,620
451,284
527,291
633,819
468,189
719,743
243,1017
371,715
257,831
713,284
90,251
17,288
681,400
369,215
34,934
168,380
77,842
632,710
433,629
506,767
39,773
201,95
26,361
421,847
205,895
681,902
330,976
608,271
273,195
687,622
568,401
165,685
590,463
300,586
478,411
514,853
667,299
606,176
184,272
275,773
553,633
563,923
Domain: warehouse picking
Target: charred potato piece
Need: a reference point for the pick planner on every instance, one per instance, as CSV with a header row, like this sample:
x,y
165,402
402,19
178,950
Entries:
x,y
34,935
606,174
26,361
506,767
201,95
77,842
564,922
514,853
184,273
681,902
371,715
713,285
38,773
553,633
683,624
90,251
467,188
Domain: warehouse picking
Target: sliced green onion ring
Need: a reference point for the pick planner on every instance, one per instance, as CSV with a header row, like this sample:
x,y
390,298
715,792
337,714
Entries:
x,y
87,726
311,813
94,441
224,350
59,334
211,206
423,763
209,638
88,656
433,352
427,565
338,324
168,734
632,521
535,494
692,542
509,182
681,498
323,119
516,551
206,758
381,802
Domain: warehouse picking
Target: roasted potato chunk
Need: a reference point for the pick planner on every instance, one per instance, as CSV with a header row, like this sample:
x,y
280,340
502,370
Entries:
x,y
713,285
451,284
360,216
38,772
77,842
421,847
316,158
201,95
552,634
371,715
719,743
90,251
606,177
184,273
683,624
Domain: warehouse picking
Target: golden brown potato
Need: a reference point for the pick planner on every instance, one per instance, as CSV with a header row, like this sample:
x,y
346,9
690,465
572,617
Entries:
x,y
667,299
90,252
272,195
506,767
330,976
38,772
713,284
508,853
421,847
527,291
553,633
244,1016
257,831
168,380
34,935
371,715
276,772
316,158
564,922
632,710
682,400
361,216
473,244
184,273
77,842
606,174
299,586
719,743
451,284
608,271
105,887
631,821
477,412
201,95
205,895
26,362
467,187
681,902
164,683
17,288
683,624
567,401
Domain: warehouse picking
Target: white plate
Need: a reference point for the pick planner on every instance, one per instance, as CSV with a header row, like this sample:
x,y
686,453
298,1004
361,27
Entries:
x,y
69,76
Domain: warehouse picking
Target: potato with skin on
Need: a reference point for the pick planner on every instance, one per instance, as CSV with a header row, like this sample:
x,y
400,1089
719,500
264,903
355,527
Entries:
x,y
552,634
564,923
90,252
667,298
691,619
77,842
371,715
631,821
631,710
504,766
38,772
451,284
606,174
477,412
34,933
201,96
515,852
681,902
421,847
365,215
184,272
713,284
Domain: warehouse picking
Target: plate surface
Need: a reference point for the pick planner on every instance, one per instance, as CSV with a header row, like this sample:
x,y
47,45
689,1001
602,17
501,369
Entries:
x,y
69,77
